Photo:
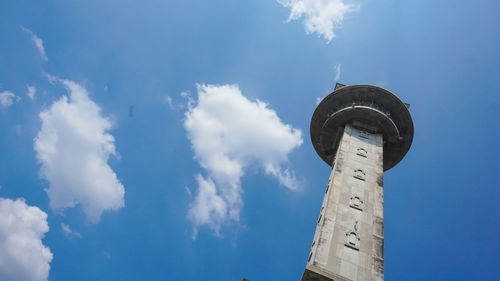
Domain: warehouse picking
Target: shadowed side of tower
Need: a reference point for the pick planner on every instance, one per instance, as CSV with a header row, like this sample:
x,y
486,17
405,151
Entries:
x,y
360,130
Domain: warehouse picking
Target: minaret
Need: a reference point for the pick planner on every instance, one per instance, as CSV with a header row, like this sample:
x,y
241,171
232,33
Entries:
x,y
361,131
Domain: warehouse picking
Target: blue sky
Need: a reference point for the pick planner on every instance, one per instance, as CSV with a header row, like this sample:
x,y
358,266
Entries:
x,y
169,140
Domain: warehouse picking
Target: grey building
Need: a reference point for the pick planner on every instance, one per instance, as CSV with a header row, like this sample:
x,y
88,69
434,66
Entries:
x,y
360,131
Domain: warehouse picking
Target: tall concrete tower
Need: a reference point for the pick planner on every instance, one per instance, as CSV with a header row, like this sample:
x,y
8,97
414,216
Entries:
x,y
360,131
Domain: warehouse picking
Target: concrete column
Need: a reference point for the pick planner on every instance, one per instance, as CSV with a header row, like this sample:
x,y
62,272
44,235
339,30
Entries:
x,y
349,239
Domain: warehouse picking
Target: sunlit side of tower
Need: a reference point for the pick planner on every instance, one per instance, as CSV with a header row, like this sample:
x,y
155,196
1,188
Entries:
x,y
361,131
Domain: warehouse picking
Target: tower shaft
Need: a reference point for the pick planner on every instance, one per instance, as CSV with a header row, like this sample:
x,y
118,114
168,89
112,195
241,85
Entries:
x,y
349,239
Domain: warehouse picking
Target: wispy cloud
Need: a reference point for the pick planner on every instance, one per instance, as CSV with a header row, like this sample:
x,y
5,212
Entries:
x,y
52,78
228,133
70,233
178,106
320,16
31,92
169,101
337,72
22,253
318,100
7,99
188,191
38,42
172,105
73,147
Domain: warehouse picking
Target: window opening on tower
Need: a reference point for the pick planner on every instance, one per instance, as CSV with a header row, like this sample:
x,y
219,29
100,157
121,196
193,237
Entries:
x,y
362,152
359,174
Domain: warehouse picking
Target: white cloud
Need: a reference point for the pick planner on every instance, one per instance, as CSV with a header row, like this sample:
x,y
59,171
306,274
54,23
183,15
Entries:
x,y
38,42
171,103
208,207
73,147
318,100
168,100
68,232
190,101
186,95
228,132
52,78
31,92
320,16
337,72
23,257
188,191
178,106
7,99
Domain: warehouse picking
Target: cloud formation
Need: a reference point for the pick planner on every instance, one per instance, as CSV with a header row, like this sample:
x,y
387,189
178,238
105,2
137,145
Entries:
x,y
22,253
320,16
228,132
73,147
7,99
169,101
38,42
337,72
70,233
31,92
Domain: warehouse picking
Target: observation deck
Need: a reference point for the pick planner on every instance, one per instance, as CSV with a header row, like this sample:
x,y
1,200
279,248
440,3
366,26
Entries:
x,y
368,107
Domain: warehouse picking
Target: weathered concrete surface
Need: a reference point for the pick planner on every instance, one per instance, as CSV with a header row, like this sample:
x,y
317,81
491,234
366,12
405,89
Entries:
x,y
349,239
